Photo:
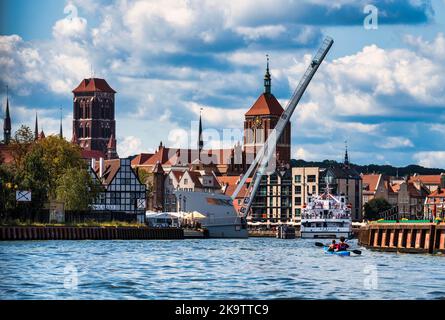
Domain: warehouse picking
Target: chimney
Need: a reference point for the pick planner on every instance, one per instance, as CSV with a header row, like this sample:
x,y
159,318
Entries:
x,y
101,167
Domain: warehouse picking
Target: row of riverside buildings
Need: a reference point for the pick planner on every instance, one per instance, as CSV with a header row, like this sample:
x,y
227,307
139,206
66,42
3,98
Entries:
x,y
281,196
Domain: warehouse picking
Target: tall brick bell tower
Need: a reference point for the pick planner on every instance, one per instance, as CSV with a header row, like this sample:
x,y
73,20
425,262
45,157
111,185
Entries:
x,y
261,119
94,126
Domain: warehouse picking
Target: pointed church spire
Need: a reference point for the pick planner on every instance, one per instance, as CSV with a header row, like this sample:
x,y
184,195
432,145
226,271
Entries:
x,y
200,141
346,163
267,78
74,138
7,121
111,148
36,128
60,130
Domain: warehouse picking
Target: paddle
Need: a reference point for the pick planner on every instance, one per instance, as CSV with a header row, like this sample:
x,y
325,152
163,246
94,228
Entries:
x,y
319,244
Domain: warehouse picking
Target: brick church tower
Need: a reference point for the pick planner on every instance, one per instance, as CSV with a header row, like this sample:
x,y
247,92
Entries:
x,y
261,119
94,126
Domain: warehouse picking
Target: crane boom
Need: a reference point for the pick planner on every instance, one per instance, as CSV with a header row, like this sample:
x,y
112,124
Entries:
x,y
262,159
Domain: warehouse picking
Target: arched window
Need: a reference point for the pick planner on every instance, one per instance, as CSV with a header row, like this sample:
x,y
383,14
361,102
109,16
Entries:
x,y
87,130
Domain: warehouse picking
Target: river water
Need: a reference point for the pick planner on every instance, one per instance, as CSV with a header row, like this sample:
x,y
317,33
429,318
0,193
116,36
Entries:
x,y
257,268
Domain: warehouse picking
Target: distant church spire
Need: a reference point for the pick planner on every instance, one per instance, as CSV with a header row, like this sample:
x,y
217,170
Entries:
x,y
61,131
200,141
346,163
267,78
7,121
36,128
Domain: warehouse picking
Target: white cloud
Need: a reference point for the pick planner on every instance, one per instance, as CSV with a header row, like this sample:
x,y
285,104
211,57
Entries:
x,y
430,159
130,145
255,33
75,27
300,153
395,142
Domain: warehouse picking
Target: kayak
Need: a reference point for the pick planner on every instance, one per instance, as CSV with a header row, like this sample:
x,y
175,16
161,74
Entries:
x,y
338,253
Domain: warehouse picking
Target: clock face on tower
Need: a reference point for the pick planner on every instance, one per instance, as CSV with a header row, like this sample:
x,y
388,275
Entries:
x,y
257,123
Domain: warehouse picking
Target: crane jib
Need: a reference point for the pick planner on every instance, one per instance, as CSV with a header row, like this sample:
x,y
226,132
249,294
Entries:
x,y
268,149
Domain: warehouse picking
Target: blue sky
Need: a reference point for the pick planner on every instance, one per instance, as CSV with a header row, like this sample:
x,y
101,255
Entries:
x,y
382,90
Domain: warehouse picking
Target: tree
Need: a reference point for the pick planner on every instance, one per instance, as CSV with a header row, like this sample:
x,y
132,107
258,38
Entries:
x,y
7,189
20,145
146,178
44,164
76,189
376,206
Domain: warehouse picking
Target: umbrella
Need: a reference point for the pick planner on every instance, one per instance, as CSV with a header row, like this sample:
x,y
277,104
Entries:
x,y
194,215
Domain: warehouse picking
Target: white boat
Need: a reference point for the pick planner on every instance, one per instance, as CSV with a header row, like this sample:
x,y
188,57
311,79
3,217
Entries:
x,y
326,216
215,212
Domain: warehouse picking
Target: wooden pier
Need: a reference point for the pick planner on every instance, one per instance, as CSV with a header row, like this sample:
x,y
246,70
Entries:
x,y
404,237
89,233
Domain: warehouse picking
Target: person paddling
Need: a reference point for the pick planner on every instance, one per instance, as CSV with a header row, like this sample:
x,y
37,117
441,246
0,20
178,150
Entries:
x,y
333,246
342,246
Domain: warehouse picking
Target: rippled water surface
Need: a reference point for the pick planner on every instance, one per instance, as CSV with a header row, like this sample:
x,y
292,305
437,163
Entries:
x,y
257,268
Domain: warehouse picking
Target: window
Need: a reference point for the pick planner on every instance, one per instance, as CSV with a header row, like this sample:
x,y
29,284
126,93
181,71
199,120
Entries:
x,y
298,201
297,212
311,178
297,189
186,181
297,178
314,188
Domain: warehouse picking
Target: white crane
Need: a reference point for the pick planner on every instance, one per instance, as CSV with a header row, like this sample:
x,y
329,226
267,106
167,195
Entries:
x,y
260,163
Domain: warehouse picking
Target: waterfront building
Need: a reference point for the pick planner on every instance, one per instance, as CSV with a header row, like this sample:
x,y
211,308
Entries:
x,y
375,186
305,183
410,200
344,180
435,203
431,182
122,191
94,125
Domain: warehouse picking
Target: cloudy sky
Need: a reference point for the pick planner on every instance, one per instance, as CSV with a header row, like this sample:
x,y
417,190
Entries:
x,y
382,90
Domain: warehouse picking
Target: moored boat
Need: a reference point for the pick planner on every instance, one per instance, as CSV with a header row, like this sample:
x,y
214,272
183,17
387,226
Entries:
x,y
214,212
326,216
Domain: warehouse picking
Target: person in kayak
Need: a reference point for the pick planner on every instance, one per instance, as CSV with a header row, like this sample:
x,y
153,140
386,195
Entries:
x,y
333,246
342,246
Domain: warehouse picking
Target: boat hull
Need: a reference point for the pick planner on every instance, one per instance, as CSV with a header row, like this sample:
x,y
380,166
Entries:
x,y
227,231
337,253
325,235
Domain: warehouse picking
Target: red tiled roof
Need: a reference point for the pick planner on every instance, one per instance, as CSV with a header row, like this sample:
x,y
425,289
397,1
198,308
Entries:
x,y
93,85
92,154
426,179
395,187
170,156
141,158
110,170
439,192
266,104
195,178
232,183
371,180
178,174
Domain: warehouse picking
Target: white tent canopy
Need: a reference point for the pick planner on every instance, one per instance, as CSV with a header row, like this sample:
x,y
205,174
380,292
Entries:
x,y
151,214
